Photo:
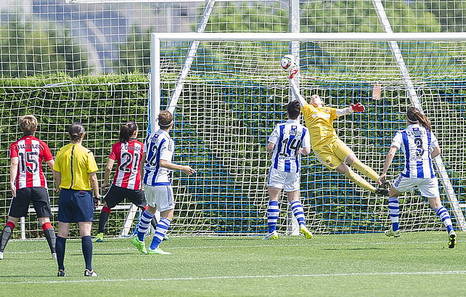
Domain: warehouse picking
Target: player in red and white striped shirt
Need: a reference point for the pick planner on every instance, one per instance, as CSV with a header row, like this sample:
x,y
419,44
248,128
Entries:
x,y
28,183
128,153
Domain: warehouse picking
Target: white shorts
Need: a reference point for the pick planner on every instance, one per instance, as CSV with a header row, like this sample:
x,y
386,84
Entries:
x,y
289,181
427,186
160,197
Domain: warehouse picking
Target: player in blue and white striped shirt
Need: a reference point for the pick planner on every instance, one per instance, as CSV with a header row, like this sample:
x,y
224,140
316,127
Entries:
x,y
419,146
159,148
287,143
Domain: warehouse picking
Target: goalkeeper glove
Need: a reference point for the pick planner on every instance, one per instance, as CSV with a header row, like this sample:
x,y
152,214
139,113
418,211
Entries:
x,y
357,107
293,72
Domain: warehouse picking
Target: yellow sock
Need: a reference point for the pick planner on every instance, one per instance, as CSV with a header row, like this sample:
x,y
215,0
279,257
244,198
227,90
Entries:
x,y
357,179
365,170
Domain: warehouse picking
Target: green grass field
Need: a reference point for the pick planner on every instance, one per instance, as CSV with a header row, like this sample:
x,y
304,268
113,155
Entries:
x,y
417,264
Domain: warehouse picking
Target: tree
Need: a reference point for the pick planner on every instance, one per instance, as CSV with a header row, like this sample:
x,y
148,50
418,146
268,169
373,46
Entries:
x,y
449,13
248,18
135,52
28,49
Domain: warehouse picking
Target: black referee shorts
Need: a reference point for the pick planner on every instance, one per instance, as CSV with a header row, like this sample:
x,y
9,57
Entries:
x,y
117,194
39,198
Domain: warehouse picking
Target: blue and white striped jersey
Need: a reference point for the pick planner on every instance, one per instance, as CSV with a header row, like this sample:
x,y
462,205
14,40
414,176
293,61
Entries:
x,y
288,138
416,143
158,146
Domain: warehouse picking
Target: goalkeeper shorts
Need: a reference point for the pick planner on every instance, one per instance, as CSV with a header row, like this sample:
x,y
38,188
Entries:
x,y
333,153
160,197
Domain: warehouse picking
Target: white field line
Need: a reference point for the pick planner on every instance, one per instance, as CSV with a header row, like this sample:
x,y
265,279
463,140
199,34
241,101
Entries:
x,y
309,244
236,277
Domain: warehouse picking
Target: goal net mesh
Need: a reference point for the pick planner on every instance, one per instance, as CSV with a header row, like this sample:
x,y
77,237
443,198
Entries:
x,y
236,93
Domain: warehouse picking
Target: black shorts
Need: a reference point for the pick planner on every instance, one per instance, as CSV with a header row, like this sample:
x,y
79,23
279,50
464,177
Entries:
x,y
39,198
117,194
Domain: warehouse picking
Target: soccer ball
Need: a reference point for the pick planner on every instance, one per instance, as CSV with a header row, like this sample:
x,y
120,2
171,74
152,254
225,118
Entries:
x,y
287,62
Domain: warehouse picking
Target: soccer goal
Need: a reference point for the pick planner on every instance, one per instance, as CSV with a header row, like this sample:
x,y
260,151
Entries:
x,y
233,93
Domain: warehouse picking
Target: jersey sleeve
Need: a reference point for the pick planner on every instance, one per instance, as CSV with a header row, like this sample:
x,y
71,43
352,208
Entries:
x,y
91,164
46,153
115,152
274,136
166,152
13,150
397,140
56,165
307,139
143,149
433,141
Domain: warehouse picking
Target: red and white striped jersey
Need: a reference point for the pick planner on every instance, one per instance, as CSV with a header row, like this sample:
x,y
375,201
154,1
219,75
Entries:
x,y
31,152
128,157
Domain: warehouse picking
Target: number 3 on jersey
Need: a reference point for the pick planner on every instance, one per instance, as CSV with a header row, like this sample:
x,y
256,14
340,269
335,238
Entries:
x,y
419,148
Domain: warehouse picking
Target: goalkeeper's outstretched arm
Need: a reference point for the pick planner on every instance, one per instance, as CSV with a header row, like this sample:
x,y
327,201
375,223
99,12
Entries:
x,y
295,89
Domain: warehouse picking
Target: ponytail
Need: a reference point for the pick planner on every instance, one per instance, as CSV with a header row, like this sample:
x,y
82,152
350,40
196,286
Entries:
x,y
76,131
127,130
414,116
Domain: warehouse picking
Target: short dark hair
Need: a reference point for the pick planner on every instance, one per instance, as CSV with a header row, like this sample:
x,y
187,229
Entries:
x,y
293,109
76,131
165,119
127,130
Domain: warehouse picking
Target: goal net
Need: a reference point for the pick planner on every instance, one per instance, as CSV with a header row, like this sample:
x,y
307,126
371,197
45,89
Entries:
x,y
235,93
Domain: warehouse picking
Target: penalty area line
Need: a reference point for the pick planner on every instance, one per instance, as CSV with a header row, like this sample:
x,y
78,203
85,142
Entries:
x,y
236,277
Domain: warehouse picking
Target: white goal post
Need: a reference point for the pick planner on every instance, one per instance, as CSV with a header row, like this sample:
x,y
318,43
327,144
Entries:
x,y
156,66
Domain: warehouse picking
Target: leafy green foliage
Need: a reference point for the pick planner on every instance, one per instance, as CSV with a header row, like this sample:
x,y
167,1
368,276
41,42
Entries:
x,y
34,49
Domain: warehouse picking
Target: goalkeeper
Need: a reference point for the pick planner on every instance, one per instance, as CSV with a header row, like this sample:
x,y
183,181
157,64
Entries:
x,y
329,149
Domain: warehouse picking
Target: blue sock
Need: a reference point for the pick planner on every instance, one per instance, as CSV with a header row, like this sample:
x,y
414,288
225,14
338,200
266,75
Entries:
x,y
273,212
394,211
86,245
443,214
143,225
298,212
160,232
60,245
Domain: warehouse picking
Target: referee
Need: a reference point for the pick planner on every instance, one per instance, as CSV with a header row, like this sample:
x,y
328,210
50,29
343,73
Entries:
x,y
75,173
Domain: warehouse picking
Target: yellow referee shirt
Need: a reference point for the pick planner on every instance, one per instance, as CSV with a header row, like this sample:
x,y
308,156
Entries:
x,y
75,162
319,121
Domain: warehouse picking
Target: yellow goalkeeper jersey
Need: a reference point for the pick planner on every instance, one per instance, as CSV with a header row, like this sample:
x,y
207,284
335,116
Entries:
x,y
319,121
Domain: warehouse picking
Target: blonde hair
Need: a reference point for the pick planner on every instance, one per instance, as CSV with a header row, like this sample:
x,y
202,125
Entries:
x,y
28,124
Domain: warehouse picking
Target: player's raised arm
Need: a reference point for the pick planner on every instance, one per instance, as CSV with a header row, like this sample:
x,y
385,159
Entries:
x,y
356,107
288,64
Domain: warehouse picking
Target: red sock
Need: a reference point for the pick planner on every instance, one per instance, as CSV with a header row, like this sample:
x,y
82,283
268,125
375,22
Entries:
x,y
46,226
10,224
106,209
